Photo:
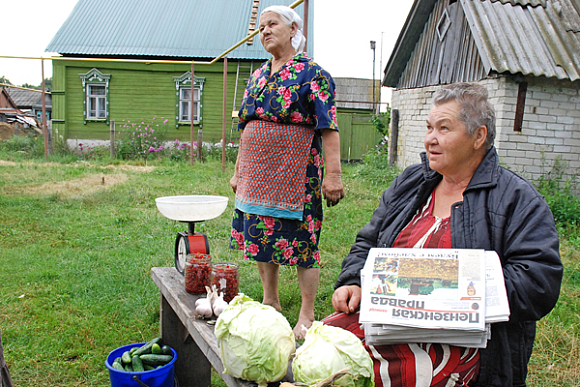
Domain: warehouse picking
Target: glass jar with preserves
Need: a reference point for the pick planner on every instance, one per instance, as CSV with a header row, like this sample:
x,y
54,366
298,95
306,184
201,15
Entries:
x,y
225,278
197,273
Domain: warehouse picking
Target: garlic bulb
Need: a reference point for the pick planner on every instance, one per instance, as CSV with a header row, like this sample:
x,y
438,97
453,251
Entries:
x,y
203,307
219,304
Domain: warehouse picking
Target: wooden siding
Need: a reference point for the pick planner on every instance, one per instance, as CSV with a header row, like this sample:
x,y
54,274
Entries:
x,y
139,93
455,59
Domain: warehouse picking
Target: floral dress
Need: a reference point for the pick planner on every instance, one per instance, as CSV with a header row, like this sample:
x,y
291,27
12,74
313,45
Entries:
x,y
299,93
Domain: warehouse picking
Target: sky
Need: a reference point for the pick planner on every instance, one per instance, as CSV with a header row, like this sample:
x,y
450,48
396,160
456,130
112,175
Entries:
x,y
343,30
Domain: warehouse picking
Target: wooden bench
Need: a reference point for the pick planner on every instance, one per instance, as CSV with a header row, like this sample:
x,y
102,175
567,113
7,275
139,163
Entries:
x,y
192,338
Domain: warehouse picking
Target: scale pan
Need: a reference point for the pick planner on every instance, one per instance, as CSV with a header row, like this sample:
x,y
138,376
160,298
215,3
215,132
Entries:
x,y
191,208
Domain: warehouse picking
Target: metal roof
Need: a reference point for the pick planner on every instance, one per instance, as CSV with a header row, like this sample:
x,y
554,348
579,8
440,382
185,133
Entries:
x,y
531,37
528,40
164,28
26,99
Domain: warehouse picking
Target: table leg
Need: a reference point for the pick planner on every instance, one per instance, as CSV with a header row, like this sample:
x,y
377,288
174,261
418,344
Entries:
x,y
192,368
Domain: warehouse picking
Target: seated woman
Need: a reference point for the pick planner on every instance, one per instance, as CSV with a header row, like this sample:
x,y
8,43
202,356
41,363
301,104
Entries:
x,y
460,197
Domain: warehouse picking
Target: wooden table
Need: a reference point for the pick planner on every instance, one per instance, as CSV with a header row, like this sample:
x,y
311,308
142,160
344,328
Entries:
x,y
192,338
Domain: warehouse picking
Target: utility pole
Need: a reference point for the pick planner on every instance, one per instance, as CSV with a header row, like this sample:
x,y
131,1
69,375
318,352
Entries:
x,y
373,46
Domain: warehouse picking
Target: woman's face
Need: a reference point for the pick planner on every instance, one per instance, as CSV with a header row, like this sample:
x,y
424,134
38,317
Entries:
x,y
275,34
451,151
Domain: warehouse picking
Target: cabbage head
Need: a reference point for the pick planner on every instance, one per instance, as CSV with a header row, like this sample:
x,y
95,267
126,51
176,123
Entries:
x,y
327,350
255,341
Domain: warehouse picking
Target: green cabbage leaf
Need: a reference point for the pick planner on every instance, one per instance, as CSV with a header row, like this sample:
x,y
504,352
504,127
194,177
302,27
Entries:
x,y
328,350
256,341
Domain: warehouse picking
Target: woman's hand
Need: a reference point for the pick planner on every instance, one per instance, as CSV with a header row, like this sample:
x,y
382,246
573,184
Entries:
x,y
234,182
346,299
332,189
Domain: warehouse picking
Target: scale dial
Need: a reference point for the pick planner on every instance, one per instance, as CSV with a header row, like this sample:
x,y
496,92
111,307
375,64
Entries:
x,y
181,252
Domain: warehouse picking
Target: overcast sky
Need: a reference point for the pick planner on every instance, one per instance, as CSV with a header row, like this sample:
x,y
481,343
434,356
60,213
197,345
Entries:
x,y
343,30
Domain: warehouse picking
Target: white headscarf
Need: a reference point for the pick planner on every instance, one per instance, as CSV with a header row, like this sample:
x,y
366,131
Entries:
x,y
289,16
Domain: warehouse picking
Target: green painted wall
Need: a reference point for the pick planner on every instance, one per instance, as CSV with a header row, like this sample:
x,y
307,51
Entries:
x,y
145,93
358,135
140,92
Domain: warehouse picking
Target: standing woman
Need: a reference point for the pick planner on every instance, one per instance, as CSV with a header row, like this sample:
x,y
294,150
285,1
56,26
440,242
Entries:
x,y
288,112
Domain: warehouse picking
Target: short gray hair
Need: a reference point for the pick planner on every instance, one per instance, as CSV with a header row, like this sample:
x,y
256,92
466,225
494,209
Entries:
x,y
289,16
476,110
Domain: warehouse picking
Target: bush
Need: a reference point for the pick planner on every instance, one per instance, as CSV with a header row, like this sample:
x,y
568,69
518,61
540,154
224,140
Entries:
x,y
30,145
140,140
560,193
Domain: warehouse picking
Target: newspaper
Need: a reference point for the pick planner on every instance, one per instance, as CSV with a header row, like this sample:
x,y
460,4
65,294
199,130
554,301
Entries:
x,y
424,288
376,334
496,309
496,303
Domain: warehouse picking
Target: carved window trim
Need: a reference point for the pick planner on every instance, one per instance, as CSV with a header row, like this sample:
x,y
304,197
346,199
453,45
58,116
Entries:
x,y
97,79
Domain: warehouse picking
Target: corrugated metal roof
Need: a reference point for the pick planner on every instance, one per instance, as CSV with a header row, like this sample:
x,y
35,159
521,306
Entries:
x,y
533,3
26,99
526,39
163,28
532,37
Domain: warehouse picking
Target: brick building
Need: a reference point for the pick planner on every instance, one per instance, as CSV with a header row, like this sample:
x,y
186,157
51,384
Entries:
x,y
525,52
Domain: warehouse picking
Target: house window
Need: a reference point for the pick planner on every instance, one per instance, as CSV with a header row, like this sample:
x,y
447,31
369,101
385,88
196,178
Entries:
x,y
96,90
185,104
183,99
96,102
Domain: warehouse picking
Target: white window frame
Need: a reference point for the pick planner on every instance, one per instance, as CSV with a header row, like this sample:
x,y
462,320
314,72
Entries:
x,y
183,103
99,101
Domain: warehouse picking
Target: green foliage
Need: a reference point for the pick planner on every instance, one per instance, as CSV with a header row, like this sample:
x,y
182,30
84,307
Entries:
x,y
561,194
214,152
47,85
377,170
382,122
29,146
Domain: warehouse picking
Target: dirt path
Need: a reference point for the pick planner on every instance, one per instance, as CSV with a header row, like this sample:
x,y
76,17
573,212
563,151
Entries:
x,y
77,187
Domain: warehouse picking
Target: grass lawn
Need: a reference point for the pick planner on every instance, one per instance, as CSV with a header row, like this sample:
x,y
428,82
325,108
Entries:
x,y
78,240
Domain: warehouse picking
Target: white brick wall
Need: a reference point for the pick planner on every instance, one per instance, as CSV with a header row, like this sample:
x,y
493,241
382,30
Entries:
x,y
550,130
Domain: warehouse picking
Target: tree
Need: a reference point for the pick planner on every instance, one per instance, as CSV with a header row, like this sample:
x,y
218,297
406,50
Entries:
x,y
5,80
47,84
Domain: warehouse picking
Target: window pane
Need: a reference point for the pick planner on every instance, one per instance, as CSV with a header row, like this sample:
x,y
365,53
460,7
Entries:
x,y
184,114
185,93
96,90
102,111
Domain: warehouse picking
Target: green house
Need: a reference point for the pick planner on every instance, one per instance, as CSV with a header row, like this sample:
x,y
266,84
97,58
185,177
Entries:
x,y
94,81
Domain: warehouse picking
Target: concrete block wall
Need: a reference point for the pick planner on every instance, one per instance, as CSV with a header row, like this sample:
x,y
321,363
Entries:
x,y
550,130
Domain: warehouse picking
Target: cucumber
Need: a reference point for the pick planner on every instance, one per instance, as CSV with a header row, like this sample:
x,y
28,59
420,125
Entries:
x,y
118,360
128,367
137,364
126,357
156,349
118,366
148,367
155,360
146,348
166,350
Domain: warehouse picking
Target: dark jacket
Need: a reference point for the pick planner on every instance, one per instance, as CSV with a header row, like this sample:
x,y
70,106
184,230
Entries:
x,y
500,211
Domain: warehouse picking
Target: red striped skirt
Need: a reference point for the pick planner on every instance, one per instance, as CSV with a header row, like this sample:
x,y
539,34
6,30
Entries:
x,y
414,365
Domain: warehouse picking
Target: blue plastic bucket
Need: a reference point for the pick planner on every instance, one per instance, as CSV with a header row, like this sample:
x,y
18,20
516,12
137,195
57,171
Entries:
x,y
159,377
